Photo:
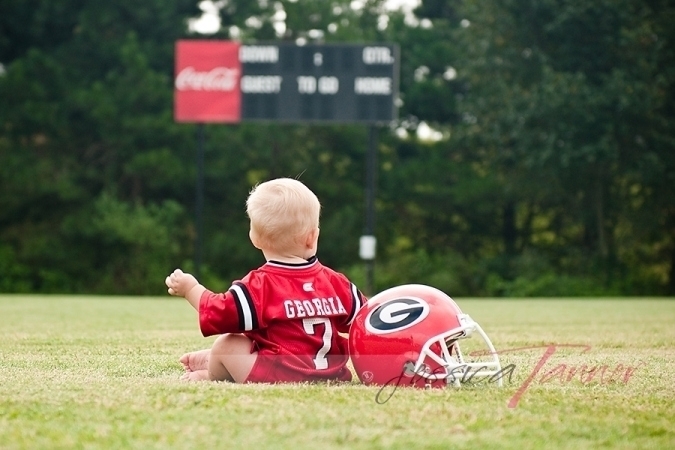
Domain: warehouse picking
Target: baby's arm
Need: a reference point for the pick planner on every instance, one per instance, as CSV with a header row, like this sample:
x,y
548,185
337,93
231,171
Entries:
x,y
185,285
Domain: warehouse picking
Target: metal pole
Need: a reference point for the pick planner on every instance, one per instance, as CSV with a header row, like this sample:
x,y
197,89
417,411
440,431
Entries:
x,y
371,165
199,201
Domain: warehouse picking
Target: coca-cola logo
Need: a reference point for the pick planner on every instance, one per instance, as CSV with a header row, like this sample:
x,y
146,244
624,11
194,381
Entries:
x,y
216,79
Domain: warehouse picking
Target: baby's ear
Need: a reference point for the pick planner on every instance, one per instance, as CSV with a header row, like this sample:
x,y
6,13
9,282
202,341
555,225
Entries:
x,y
254,239
312,237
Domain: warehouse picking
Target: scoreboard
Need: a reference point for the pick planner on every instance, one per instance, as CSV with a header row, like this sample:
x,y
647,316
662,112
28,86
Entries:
x,y
224,81
335,83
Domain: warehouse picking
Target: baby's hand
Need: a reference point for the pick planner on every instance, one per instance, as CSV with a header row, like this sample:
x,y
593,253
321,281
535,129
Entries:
x,y
180,283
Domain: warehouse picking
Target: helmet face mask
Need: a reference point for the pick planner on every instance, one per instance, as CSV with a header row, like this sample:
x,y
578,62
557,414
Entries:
x,y
411,335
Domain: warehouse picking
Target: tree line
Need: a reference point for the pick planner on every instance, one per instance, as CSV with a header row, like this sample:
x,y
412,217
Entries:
x,y
553,172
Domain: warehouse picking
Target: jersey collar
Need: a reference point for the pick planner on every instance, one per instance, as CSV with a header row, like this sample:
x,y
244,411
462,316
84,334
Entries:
x,y
304,265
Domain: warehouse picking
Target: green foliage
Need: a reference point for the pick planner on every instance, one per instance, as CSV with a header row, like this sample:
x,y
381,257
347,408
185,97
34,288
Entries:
x,y
531,275
446,273
555,173
135,244
554,104
82,119
545,285
16,276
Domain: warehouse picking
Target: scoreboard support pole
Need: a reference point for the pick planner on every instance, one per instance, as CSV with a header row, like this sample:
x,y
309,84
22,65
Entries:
x,y
371,169
199,201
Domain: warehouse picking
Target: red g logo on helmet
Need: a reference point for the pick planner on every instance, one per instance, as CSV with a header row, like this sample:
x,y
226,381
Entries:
x,y
396,315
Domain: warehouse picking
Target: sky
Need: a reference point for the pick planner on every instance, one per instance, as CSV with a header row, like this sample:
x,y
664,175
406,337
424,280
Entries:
x,y
209,22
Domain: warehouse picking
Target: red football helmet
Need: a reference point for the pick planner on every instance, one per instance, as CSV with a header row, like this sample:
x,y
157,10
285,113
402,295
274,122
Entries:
x,y
409,335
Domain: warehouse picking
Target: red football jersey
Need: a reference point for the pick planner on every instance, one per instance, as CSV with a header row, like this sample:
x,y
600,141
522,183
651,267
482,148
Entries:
x,y
293,314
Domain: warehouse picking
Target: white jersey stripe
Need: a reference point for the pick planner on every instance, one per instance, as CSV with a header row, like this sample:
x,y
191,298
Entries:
x,y
245,307
356,300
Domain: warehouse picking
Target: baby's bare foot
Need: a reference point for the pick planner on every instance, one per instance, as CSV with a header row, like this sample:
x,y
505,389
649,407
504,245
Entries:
x,y
195,361
197,375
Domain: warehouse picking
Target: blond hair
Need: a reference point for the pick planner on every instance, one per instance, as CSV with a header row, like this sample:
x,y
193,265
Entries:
x,y
282,211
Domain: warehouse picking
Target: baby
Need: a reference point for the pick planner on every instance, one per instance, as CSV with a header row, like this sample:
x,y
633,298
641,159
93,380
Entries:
x,y
280,322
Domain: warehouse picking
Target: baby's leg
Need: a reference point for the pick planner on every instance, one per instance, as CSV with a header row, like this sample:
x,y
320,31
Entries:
x,y
231,358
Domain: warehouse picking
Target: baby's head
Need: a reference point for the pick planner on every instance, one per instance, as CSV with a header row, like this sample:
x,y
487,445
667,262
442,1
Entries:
x,y
284,216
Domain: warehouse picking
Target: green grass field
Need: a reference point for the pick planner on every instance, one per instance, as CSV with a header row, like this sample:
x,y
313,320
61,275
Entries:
x,y
102,373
